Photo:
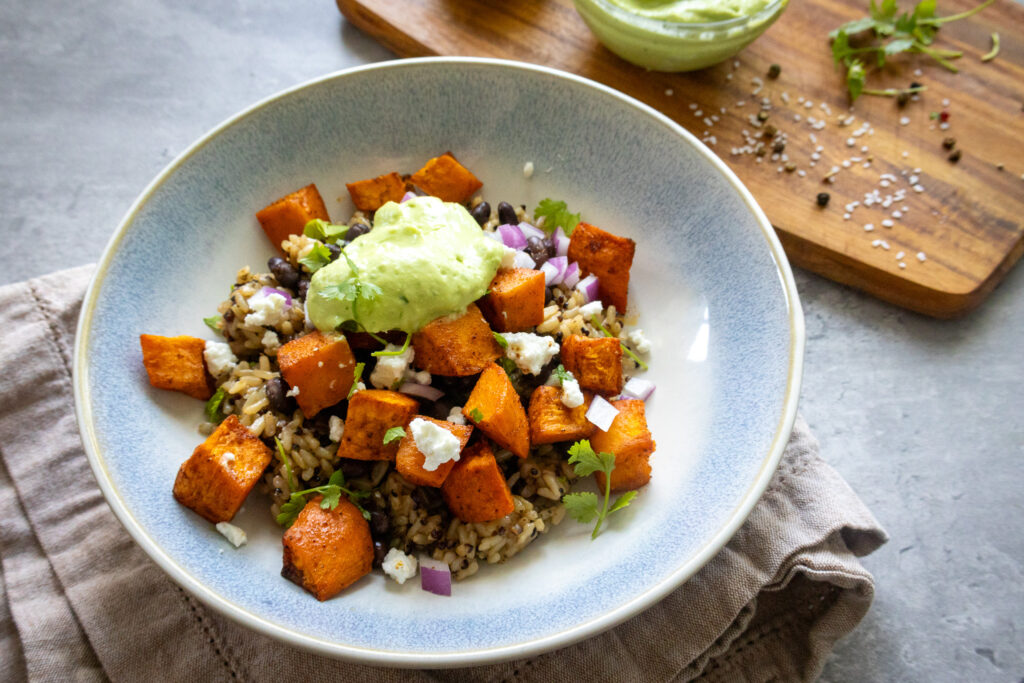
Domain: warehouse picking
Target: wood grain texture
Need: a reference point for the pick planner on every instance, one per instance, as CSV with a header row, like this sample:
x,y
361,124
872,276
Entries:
x,y
969,221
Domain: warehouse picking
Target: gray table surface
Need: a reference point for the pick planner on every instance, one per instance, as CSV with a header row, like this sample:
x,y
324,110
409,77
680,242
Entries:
x,y
924,418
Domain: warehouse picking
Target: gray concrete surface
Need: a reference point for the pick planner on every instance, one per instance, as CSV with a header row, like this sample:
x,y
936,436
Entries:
x,y
924,418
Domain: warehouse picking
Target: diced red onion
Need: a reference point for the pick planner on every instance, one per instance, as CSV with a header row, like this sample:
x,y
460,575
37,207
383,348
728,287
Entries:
x,y
638,388
407,196
589,286
561,241
554,270
531,231
421,390
571,277
267,291
601,413
512,236
523,260
435,576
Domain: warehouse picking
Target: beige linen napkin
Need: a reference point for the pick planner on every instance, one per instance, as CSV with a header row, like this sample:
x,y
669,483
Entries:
x,y
79,601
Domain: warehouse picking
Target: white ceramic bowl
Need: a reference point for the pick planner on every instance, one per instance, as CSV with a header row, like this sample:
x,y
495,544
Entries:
x,y
711,287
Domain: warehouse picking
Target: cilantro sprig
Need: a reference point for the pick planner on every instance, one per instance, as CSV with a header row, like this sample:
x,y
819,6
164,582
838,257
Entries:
x,y
331,492
212,323
500,338
585,507
286,461
556,213
562,374
393,434
318,257
355,290
325,231
399,352
213,406
358,375
475,415
629,352
891,34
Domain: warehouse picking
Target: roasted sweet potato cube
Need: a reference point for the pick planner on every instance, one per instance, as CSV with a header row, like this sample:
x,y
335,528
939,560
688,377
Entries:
x,y
516,301
595,363
630,440
409,461
176,363
289,214
476,490
222,470
455,348
494,400
551,421
607,256
326,551
446,178
320,367
371,413
371,194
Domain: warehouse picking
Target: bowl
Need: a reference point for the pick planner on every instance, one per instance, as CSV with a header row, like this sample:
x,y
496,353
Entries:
x,y
674,46
711,286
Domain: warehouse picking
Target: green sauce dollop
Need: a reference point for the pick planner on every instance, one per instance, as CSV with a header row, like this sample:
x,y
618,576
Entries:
x,y
692,11
429,258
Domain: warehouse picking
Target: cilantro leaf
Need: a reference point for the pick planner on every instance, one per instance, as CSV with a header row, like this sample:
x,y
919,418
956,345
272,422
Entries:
x,y
855,76
502,342
393,434
212,321
584,460
337,479
318,257
346,290
355,379
562,374
292,484
291,509
556,213
475,415
213,406
622,501
581,506
508,365
331,497
369,291
325,231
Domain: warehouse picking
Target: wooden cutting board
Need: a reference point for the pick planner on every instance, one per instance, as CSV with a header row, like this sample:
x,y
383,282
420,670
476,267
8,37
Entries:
x,y
967,223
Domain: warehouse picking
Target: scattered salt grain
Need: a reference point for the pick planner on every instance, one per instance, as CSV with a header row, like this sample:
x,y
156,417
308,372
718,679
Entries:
x,y
921,257
904,120
902,265
888,223
900,255
669,92
868,227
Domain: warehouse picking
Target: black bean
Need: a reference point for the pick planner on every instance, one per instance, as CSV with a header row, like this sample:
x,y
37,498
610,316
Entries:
x,y
277,395
335,251
356,230
481,213
229,315
380,551
537,250
354,469
284,272
303,288
380,524
507,214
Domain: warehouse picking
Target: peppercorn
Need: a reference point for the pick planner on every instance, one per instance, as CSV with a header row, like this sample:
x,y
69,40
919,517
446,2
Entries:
x,y
762,116
823,198
955,156
902,98
760,150
1000,167
915,85
779,146
949,143
770,131
790,167
774,70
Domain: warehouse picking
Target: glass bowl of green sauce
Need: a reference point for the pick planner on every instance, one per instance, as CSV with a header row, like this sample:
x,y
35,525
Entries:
x,y
678,35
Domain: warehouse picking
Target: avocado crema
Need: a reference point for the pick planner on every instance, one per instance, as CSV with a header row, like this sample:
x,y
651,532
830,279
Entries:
x,y
692,11
428,257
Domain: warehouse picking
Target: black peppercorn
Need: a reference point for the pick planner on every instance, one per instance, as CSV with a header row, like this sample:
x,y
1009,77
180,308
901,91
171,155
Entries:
x,y
779,146
955,156
823,198
949,143
762,115
774,70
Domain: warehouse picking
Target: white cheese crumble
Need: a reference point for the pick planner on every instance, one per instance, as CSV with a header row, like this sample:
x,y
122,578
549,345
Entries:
x,y
399,566
455,416
421,377
572,397
337,426
530,352
270,341
266,309
219,359
294,391
437,444
508,259
390,370
233,533
528,169
640,341
593,308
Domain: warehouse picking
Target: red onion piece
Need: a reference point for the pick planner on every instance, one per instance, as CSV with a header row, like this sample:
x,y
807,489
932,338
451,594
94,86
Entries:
x,y
267,291
407,196
572,275
435,576
561,241
551,274
421,390
638,388
589,286
523,260
512,236
531,231
601,413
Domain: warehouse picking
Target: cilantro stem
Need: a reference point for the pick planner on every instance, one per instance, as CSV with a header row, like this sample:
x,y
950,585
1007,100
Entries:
x,y
893,92
991,54
597,323
408,337
604,509
292,484
940,57
938,21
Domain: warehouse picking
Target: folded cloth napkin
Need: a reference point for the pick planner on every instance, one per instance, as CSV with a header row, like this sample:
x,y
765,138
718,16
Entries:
x,y
80,601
